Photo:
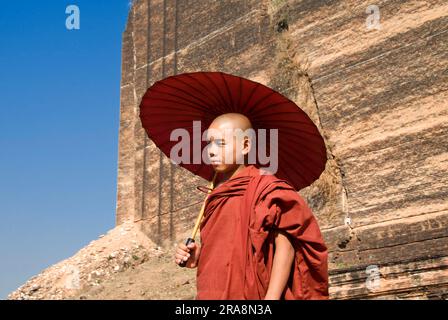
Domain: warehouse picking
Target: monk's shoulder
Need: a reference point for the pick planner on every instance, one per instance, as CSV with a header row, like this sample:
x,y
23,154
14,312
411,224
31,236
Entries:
x,y
274,182
270,186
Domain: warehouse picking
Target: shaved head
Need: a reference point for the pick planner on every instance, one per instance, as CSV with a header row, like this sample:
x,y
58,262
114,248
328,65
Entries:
x,y
232,121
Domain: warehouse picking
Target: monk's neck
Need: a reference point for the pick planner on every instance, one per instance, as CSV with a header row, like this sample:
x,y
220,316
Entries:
x,y
229,175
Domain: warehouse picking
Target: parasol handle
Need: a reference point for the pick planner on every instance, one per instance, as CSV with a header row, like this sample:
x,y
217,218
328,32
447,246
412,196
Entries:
x,y
198,220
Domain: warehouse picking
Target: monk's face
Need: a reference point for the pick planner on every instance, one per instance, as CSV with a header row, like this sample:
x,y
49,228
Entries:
x,y
227,143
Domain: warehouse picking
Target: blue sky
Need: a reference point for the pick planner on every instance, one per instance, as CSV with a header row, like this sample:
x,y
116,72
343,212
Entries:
x,y
59,121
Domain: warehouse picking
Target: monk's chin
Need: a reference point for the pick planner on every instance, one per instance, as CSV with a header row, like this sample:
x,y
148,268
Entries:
x,y
222,168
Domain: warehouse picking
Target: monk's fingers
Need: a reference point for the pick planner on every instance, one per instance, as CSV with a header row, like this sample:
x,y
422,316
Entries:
x,y
182,252
183,247
183,257
179,256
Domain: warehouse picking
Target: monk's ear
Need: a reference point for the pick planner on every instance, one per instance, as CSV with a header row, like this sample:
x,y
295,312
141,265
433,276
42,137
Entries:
x,y
246,145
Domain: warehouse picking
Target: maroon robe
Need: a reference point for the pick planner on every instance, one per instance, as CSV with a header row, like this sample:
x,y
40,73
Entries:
x,y
237,240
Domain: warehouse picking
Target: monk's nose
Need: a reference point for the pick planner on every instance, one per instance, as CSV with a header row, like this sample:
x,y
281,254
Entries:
x,y
211,152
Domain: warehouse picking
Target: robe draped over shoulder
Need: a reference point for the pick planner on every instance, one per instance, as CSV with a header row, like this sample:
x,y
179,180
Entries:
x,y
237,240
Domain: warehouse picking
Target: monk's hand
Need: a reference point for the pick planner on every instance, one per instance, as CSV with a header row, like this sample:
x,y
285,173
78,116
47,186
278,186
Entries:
x,y
189,253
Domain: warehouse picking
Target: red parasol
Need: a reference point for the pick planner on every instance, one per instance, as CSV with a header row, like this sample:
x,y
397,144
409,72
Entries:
x,y
176,101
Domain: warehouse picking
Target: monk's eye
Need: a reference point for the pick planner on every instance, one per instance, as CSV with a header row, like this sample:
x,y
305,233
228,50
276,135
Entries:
x,y
219,143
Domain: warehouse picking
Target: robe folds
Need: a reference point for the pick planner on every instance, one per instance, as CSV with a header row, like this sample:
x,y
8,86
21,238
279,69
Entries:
x,y
237,240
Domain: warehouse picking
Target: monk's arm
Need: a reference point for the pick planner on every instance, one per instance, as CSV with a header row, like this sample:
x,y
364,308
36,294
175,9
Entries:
x,y
281,268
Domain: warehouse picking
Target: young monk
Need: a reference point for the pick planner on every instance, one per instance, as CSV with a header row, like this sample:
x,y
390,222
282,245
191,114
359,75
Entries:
x,y
259,239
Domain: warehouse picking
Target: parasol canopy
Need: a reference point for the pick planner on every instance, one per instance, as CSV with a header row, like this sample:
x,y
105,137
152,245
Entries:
x,y
177,101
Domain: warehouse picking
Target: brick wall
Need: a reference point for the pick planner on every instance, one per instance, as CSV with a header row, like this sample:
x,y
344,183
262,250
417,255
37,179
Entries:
x,y
377,96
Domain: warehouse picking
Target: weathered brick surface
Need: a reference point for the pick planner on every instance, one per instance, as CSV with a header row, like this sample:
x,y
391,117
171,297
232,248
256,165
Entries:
x,y
377,96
